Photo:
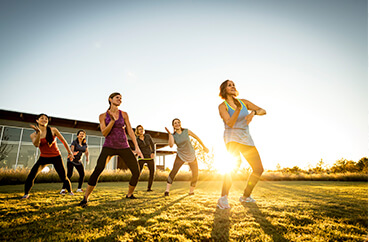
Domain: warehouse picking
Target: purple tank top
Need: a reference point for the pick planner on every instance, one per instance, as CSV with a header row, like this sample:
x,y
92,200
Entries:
x,y
117,138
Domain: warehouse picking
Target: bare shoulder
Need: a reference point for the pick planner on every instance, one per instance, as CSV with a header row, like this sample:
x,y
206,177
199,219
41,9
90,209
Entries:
x,y
54,130
222,105
102,116
125,114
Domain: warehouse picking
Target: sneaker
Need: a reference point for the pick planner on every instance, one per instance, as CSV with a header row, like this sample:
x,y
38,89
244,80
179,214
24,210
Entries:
x,y
83,203
191,193
166,194
71,193
247,199
149,190
63,192
79,190
223,203
131,197
26,196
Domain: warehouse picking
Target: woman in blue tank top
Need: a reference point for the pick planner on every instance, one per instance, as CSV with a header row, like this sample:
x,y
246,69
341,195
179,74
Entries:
x,y
236,117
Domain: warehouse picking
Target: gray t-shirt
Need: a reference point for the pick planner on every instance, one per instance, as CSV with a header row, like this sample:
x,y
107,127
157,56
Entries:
x,y
185,151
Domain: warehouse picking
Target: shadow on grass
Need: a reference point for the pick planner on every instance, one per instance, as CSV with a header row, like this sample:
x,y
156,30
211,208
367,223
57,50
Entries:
x,y
117,230
270,229
221,225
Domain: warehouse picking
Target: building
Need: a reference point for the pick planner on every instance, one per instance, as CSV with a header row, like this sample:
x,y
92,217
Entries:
x,y
17,150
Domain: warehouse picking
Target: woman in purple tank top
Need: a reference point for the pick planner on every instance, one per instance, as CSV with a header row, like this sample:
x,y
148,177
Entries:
x,y
112,124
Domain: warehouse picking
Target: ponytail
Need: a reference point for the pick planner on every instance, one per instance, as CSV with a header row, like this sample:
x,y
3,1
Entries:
x,y
49,135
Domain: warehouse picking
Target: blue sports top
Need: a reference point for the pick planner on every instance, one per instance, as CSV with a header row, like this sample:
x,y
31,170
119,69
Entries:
x,y
240,131
185,150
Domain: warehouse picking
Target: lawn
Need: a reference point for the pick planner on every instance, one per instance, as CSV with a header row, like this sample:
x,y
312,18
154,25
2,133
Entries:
x,y
284,211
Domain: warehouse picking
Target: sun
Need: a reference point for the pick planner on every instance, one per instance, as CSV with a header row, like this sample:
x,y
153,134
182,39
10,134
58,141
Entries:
x,y
223,161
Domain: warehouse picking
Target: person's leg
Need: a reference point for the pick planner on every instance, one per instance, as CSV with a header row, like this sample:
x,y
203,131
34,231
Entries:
x,y
129,158
195,173
69,173
103,159
233,149
176,166
251,154
37,167
141,164
81,172
151,165
59,168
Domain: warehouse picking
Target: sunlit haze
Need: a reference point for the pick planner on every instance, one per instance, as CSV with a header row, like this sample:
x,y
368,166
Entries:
x,y
304,62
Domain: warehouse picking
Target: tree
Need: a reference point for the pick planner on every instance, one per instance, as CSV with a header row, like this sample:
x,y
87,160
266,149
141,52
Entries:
x,y
362,165
205,158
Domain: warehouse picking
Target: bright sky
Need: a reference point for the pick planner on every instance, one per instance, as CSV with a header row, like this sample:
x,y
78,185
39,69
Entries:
x,y
304,62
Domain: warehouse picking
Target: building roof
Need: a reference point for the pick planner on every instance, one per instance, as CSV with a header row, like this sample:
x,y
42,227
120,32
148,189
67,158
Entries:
x,y
24,119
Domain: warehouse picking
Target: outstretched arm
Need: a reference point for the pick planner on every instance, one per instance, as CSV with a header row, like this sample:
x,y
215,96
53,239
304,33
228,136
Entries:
x,y
198,139
61,138
171,138
131,133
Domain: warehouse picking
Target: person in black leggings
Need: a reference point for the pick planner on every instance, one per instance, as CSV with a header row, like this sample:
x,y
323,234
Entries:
x,y
113,124
78,147
44,138
147,148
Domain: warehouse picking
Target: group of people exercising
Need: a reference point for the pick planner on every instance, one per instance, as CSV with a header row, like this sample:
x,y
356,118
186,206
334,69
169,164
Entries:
x,y
235,113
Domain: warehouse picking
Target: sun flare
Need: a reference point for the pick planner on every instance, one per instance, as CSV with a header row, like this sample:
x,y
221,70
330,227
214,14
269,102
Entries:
x,y
224,162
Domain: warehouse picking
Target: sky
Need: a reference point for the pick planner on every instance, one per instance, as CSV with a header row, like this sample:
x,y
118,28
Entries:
x,y
304,62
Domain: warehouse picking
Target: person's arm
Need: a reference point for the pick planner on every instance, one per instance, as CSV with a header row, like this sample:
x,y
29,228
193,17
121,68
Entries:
x,y
131,134
61,138
36,137
198,139
255,110
171,138
105,130
72,149
152,155
87,155
229,120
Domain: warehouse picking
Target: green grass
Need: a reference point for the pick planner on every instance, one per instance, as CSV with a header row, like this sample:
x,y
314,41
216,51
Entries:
x,y
285,211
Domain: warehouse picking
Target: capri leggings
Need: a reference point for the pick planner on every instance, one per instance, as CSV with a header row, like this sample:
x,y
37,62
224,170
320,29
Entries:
x,y
81,172
40,164
251,154
106,154
177,165
151,165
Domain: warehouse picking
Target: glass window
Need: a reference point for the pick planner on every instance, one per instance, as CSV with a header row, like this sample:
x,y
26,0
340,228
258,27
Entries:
x,y
67,137
8,155
94,140
94,153
26,134
27,155
11,134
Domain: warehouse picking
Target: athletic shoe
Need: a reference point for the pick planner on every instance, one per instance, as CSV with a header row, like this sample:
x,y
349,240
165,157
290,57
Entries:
x,y
71,193
166,194
83,203
191,193
131,197
26,196
149,190
223,202
79,190
63,192
247,200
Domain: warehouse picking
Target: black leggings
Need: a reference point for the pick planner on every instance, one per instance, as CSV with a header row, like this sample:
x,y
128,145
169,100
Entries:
x,y
151,165
251,154
40,164
106,154
177,164
81,172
